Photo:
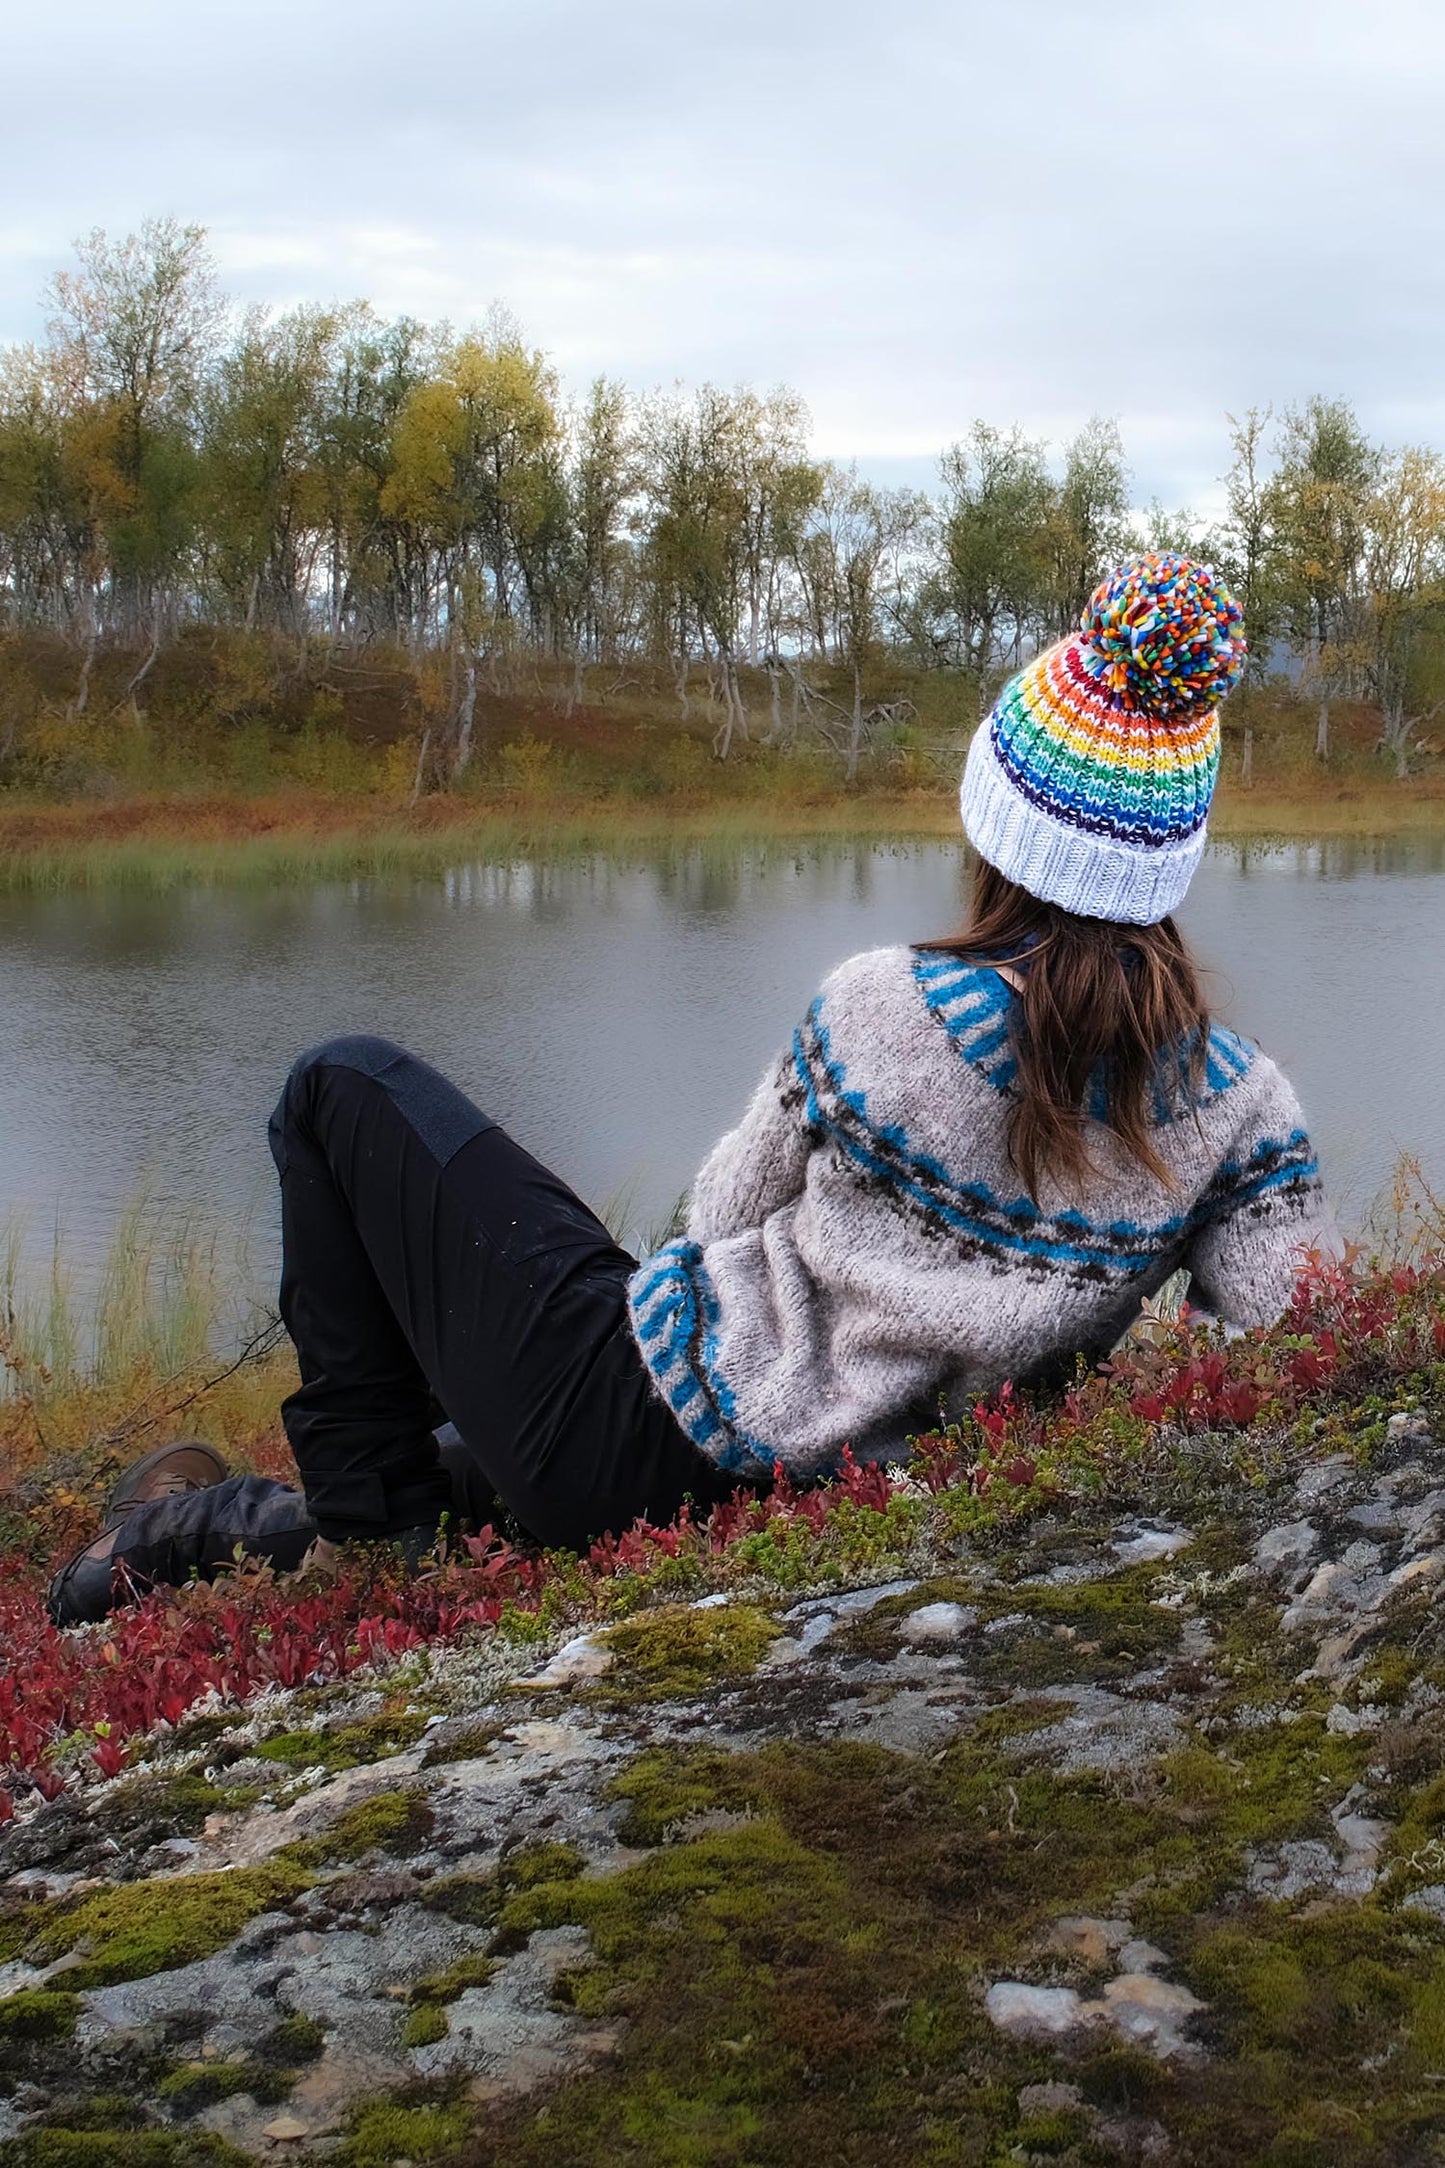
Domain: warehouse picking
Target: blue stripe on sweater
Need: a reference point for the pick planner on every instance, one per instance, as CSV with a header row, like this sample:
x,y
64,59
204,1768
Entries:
x,y
972,1003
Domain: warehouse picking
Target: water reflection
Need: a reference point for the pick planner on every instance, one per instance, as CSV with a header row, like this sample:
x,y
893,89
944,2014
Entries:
x,y
616,1011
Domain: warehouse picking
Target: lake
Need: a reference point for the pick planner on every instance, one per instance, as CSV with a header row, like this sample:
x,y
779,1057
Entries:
x,y
616,1013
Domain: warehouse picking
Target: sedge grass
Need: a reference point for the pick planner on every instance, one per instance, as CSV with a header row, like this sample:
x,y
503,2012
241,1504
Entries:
x,y
160,843
162,1345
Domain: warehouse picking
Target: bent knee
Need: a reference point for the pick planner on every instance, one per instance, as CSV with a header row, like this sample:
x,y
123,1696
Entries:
x,y
361,1051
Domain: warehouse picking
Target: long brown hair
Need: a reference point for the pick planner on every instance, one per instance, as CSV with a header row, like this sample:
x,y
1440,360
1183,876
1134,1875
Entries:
x,y
1102,1003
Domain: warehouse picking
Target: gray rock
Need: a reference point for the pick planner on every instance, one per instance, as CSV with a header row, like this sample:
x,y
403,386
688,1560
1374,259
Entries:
x,y
1151,1543
1053,2099
508,2032
1151,2013
1035,2013
934,1622
1141,1957
1104,1731
1325,1476
1290,1546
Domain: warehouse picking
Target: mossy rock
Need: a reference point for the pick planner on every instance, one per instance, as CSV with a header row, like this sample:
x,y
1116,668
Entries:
x,y
297,2039
416,2124
38,2013
140,1928
679,1650
468,1744
185,2091
475,1900
345,1746
397,1822
76,2144
425,2025
154,1805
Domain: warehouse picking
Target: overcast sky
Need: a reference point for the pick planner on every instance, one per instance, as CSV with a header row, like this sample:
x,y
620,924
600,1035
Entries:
x,y
914,213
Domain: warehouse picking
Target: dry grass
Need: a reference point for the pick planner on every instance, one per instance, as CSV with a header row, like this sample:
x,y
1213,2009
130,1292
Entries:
x,y
163,1348
159,843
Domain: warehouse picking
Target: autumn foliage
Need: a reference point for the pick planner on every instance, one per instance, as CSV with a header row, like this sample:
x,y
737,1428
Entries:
x,y
1355,1345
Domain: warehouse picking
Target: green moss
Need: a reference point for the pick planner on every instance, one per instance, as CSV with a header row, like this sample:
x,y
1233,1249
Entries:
x,y
472,1899
346,1746
413,2126
141,1928
426,2025
1097,1629
61,2146
296,2039
676,1651
160,1805
38,2013
467,1745
397,1822
534,1863
475,1900
445,1986
1053,2132
194,2086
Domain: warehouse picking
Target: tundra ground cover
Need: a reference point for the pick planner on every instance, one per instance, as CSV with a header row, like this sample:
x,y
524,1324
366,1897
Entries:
x,y
1357,1345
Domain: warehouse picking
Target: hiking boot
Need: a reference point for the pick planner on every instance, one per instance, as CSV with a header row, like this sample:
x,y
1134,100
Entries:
x,y
84,1589
187,1465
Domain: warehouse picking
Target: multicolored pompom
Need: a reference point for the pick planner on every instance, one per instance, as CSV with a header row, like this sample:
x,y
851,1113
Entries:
x,y
1164,635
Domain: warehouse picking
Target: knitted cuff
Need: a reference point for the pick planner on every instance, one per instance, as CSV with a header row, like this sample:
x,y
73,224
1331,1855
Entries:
x,y
1093,876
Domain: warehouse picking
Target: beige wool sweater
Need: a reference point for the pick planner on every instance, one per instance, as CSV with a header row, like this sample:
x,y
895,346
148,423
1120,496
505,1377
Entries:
x,y
860,1243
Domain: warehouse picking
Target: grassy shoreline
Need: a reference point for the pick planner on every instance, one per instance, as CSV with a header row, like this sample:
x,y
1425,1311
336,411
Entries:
x,y
162,841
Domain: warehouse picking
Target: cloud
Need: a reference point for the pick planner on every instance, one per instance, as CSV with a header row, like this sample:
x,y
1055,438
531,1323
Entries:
x,y
1036,211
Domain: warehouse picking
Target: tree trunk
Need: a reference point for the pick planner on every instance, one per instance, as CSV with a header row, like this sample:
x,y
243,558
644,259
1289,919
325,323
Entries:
x,y
579,680
146,667
420,776
682,693
775,714
1322,731
1395,733
466,711
1246,765
87,660
735,694
855,740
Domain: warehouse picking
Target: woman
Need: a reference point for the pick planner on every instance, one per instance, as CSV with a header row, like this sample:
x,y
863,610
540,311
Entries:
x,y
973,1162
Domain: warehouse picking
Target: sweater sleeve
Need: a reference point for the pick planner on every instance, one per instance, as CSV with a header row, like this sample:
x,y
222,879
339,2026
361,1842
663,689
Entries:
x,y
757,1167
1264,1211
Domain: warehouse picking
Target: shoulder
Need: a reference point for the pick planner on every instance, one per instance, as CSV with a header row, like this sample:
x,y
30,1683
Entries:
x,y
918,1011
867,976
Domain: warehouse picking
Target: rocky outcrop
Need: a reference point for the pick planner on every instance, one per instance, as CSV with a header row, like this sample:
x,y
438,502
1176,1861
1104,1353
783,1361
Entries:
x,y
1112,1833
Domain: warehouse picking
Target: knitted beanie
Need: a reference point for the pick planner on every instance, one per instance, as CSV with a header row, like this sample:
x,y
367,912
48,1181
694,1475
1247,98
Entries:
x,y
1090,783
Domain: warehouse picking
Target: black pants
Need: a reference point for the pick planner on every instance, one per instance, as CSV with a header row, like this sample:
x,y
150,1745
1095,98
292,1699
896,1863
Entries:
x,y
430,1266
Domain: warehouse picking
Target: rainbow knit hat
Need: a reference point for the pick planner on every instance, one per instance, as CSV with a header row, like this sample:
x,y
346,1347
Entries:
x,y
1090,783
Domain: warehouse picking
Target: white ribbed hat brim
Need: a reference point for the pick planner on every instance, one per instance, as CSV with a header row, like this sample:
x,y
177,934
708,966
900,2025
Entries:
x,y
1094,876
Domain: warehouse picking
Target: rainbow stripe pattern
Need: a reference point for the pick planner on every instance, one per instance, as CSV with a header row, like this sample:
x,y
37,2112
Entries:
x,y
1090,784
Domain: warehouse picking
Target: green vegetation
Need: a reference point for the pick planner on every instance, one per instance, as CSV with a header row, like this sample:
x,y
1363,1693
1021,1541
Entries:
x,y
71,2145
677,1650
38,2013
194,2086
139,1928
660,604
347,1746
399,1821
421,2123
802,1973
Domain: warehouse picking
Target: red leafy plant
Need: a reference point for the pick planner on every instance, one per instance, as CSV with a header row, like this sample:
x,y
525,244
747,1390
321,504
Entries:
x,y
72,1704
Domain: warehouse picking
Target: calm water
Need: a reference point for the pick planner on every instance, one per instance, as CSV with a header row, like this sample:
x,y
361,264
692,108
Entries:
x,y
616,1015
